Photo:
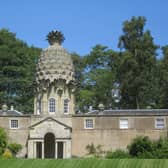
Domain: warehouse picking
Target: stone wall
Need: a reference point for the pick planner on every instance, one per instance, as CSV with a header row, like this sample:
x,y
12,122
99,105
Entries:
x,y
19,135
107,132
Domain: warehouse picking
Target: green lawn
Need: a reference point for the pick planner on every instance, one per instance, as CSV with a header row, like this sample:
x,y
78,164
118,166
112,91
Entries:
x,y
85,163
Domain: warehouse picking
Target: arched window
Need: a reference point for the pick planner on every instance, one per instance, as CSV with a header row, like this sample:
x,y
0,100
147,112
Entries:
x,y
51,105
66,106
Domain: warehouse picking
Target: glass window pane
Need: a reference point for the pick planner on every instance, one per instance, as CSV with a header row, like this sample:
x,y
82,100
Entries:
x,y
160,123
89,123
14,124
51,105
123,123
66,106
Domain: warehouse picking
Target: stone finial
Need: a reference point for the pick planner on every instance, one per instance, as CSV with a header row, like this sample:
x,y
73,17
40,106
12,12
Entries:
x,y
11,108
101,106
4,107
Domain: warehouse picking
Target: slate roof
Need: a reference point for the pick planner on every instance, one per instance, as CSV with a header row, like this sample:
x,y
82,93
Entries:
x,y
10,113
129,112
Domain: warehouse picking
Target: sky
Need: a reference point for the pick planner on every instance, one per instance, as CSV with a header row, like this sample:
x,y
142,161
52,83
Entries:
x,y
84,23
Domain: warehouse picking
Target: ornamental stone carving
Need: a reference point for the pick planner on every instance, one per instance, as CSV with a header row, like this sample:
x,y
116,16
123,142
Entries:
x,y
55,64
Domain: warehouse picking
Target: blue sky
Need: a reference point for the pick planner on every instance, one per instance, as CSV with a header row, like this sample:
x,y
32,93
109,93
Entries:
x,y
84,23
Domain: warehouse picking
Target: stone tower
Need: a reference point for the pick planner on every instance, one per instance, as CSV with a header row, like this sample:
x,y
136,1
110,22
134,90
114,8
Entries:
x,y
55,79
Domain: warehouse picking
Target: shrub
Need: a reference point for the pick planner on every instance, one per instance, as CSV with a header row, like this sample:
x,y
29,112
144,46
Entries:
x,y
161,148
119,154
141,146
94,150
91,149
146,155
14,148
3,141
7,154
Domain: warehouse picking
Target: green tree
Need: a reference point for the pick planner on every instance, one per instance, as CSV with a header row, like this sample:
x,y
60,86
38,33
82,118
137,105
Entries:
x,y
78,62
163,74
138,65
99,77
17,69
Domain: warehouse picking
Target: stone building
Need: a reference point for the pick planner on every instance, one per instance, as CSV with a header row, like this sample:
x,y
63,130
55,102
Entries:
x,y
55,131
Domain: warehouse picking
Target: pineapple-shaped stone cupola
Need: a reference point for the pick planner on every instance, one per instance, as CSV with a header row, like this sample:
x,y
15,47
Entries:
x,y
54,79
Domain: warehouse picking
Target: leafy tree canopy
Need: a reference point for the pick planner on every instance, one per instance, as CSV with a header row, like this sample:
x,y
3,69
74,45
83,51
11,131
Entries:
x,y
138,66
99,76
163,78
140,78
17,68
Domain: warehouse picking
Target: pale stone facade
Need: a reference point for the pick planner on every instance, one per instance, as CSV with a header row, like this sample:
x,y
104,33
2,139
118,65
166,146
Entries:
x,y
46,133
55,131
55,80
61,132
53,105
19,135
108,132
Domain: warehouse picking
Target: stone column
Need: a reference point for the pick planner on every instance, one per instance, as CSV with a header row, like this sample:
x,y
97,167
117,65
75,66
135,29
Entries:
x,y
72,104
34,149
59,102
30,149
68,149
43,150
44,103
55,149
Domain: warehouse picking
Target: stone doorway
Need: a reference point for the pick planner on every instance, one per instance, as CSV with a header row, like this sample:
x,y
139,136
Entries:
x,y
49,146
60,150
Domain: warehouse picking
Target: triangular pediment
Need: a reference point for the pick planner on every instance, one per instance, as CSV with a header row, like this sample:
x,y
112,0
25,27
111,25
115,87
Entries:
x,y
50,119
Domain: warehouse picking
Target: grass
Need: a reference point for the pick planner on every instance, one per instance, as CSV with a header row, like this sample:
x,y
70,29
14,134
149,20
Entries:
x,y
84,163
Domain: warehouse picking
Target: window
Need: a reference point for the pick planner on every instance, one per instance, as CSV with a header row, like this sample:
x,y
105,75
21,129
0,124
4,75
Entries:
x,y
51,105
14,124
159,123
66,106
88,123
123,123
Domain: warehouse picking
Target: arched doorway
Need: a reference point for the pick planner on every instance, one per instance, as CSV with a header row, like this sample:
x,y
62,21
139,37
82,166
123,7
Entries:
x,y
49,146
